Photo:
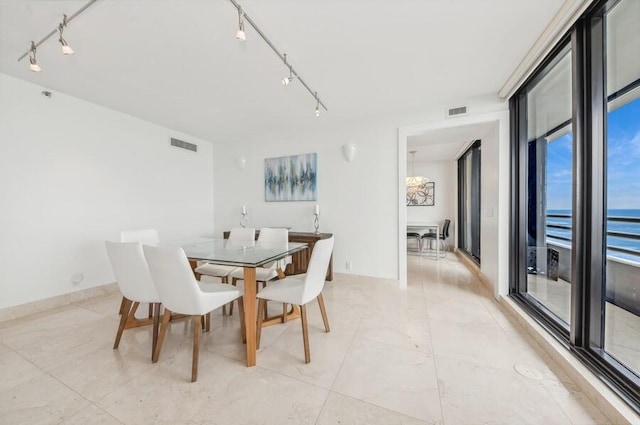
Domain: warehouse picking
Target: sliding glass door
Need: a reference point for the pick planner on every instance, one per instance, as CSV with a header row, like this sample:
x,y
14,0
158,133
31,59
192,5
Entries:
x,y
575,257
549,153
622,184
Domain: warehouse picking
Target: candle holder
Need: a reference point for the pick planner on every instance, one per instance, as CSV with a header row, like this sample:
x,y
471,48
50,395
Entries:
x,y
244,217
316,222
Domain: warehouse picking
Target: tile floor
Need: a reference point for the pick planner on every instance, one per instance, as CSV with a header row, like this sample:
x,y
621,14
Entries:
x,y
441,352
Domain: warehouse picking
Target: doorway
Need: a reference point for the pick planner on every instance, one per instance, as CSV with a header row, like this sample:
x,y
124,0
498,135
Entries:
x,y
445,142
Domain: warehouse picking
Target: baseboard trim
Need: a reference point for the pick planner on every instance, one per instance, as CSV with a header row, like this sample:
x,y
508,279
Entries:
x,y
475,269
22,310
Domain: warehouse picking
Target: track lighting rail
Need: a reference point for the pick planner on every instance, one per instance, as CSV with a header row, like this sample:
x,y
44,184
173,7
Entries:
x,y
280,55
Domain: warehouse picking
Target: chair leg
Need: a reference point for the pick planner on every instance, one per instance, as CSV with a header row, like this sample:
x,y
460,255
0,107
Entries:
x,y
124,311
122,306
150,310
234,282
323,311
224,279
266,304
305,333
284,312
243,331
163,331
156,326
261,304
196,347
132,312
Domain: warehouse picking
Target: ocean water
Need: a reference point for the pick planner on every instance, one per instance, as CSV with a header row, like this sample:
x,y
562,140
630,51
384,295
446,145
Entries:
x,y
612,226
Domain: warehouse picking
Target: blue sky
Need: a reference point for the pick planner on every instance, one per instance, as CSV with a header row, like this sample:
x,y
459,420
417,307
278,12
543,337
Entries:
x,y
623,162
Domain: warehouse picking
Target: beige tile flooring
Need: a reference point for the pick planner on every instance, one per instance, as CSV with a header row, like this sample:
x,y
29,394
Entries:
x,y
441,352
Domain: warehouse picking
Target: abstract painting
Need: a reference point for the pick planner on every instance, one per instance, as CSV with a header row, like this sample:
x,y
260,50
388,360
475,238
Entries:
x,y
421,196
291,178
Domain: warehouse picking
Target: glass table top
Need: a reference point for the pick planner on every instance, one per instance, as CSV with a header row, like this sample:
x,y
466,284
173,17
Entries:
x,y
226,252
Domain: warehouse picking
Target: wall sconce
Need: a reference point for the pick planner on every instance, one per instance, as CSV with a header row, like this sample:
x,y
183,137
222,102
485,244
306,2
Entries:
x,y
349,151
242,163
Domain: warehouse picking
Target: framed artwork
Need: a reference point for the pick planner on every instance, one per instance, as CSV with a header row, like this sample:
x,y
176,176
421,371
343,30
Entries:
x,y
421,196
291,178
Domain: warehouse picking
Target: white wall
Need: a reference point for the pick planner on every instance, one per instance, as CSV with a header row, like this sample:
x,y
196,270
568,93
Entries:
x,y
443,174
73,174
357,199
494,207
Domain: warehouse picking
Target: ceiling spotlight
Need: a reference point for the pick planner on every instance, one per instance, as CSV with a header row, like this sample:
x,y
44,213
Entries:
x,y
240,35
65,47
291,77
33,63
317,111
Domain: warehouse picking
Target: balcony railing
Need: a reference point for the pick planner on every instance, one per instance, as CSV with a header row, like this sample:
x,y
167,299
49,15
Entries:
x,y
610,233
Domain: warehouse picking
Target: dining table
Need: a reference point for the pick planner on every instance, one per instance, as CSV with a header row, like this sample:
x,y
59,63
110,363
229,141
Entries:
x,y
423,228
249,256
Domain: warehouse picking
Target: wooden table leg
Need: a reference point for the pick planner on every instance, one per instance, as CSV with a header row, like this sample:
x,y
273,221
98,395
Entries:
x,y
249,300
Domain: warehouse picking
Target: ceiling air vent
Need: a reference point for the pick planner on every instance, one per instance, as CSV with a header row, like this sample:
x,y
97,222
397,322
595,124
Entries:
x,y
184,145
453,112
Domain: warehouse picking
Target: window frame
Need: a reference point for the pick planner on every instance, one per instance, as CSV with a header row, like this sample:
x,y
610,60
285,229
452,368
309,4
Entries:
x,y
585,335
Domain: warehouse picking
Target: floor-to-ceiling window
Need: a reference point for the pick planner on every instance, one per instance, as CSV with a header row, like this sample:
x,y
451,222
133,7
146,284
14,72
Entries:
x,y
576,193
469,201
622,183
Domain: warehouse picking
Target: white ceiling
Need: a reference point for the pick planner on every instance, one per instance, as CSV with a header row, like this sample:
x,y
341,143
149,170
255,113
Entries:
x,y
177,63
444,144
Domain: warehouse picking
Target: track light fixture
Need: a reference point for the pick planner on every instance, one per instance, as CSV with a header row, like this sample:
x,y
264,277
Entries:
x,y
293,75
317,111
240,35
33,63
65,47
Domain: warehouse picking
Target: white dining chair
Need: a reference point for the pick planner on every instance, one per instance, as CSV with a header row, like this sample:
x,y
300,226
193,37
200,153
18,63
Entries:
x,y
134,280
300,291
238,235
181,293
270,270
144,236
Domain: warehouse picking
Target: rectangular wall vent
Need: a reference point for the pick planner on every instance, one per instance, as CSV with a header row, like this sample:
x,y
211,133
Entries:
x,y
184,145
461,110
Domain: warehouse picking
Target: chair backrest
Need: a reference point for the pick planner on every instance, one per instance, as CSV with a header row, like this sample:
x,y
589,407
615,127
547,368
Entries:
x,y
270,234
131,271
174,279
317,270
445,229
144,236
279,236
242,234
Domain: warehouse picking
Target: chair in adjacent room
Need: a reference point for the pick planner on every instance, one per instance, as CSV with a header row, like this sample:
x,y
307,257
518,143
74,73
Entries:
x,y
134,280
416,236
300,290
269,271
181,293
441,238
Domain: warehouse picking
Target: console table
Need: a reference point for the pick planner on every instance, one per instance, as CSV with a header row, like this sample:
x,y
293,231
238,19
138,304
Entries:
x,y
300,259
